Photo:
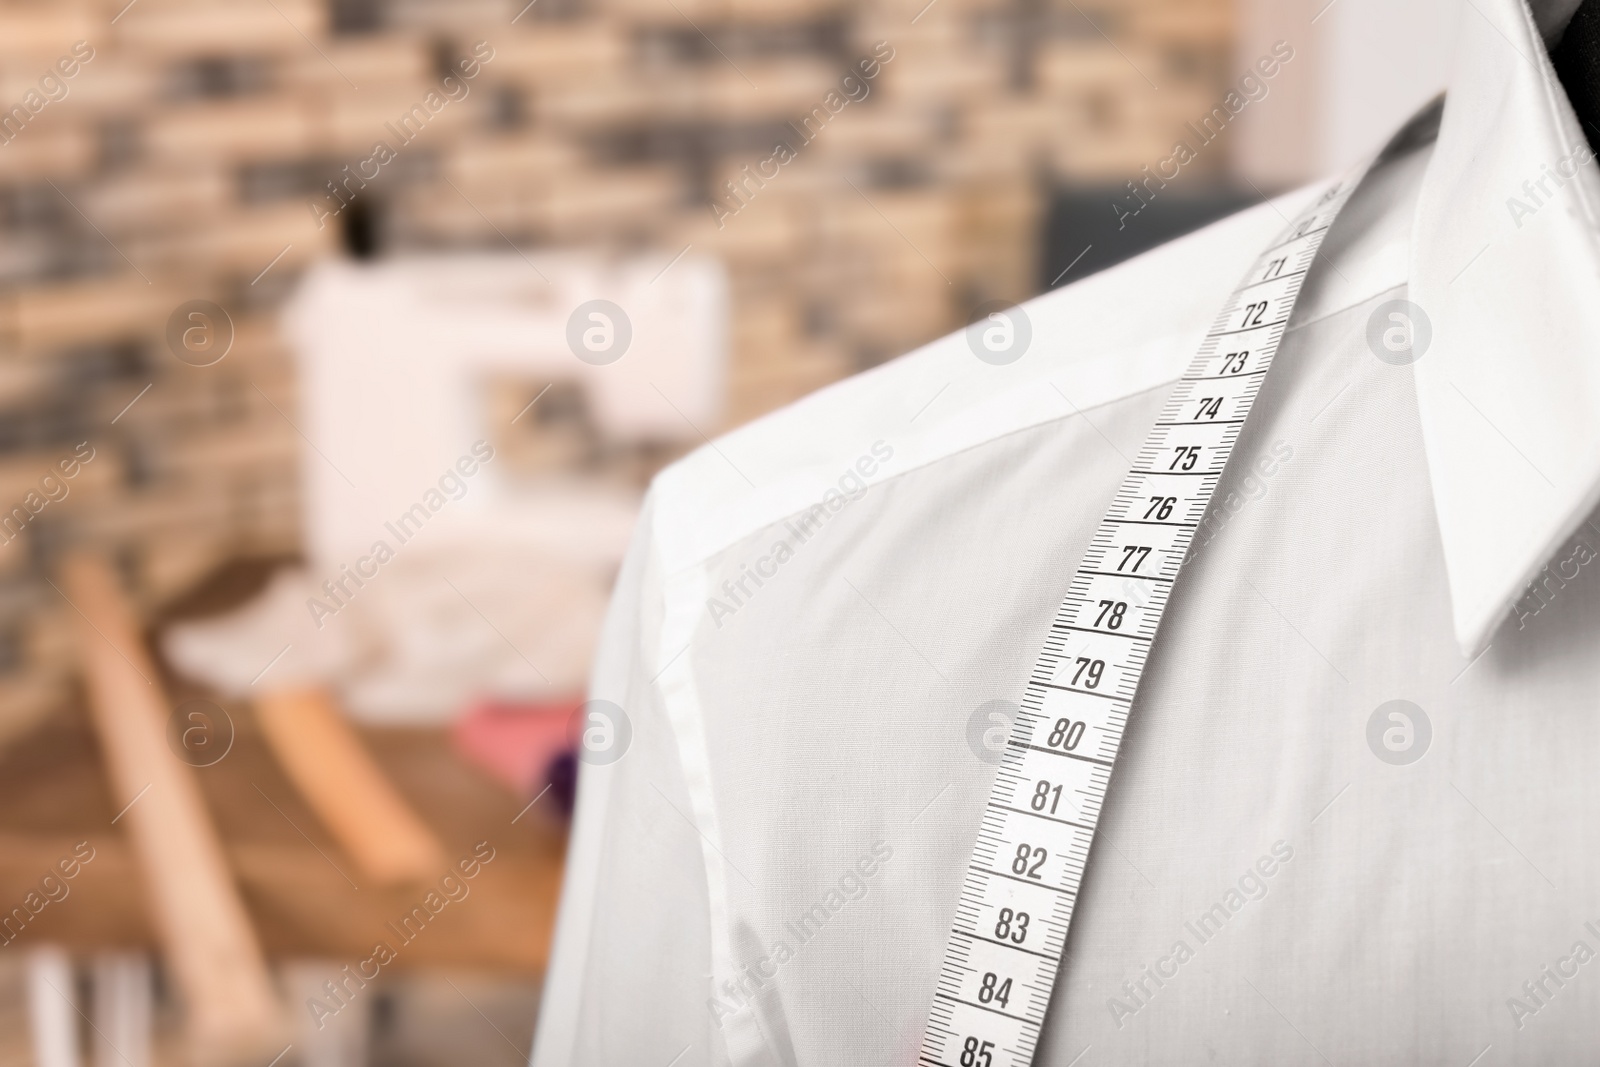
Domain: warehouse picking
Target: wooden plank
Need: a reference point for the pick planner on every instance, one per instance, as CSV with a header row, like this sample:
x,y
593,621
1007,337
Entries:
x,y
338,778
232,1012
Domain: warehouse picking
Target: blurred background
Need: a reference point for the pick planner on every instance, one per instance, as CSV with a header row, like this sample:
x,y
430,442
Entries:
x,y
339,340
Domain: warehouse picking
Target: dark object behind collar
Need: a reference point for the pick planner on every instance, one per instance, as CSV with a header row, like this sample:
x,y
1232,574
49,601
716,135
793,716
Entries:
x,y
1577,62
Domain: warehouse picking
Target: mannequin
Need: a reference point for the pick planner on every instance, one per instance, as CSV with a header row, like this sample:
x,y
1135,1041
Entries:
x,y
1576,57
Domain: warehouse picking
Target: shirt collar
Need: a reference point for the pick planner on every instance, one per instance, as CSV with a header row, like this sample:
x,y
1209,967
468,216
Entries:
x,y
1504,268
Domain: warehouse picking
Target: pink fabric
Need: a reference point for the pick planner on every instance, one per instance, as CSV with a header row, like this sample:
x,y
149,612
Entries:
x,y
517,743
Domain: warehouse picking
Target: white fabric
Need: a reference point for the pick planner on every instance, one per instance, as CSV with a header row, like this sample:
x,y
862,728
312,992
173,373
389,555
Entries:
x,y
432,631
1508,412
809,753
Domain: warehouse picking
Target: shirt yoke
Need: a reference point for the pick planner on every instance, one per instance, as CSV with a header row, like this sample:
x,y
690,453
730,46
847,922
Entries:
x,y
1124,330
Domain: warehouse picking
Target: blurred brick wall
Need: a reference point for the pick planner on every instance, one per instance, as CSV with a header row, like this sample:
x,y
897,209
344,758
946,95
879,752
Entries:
x,y
188,153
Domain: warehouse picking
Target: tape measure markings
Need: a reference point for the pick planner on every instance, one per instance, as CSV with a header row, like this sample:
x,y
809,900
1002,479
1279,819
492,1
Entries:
x,y
1033,843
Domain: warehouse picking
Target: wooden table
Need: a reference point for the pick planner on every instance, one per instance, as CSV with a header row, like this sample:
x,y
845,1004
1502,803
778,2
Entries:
x,y
304,896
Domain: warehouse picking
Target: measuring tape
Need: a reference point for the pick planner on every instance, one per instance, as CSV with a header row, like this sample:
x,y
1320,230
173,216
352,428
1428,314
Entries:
x,y
1021,887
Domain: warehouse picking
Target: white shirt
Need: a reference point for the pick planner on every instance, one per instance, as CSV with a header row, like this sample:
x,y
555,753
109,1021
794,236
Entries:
x,y
1289,868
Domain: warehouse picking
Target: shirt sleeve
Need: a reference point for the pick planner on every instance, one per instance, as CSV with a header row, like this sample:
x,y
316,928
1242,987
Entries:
x,y
630,962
